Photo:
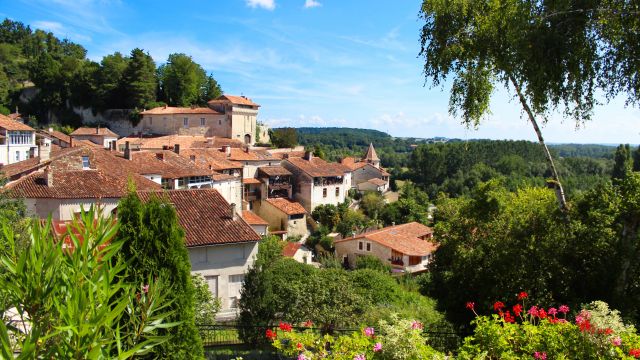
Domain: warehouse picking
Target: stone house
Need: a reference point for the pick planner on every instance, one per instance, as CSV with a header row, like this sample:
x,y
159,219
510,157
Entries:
x,y
285,217
99,136
407,246
366,169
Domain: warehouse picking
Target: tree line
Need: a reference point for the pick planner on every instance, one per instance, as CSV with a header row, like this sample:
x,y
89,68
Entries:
x,y
55,75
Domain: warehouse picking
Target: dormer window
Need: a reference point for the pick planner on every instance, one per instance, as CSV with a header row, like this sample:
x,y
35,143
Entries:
x,y
85,163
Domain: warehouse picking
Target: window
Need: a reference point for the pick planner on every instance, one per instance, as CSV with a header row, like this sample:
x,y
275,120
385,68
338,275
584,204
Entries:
x,y
185,122
324,192
238,278
212,281
150,120
233,302
20,137
360,245
202,121
337,191
368,246
219,122
85,163
17,155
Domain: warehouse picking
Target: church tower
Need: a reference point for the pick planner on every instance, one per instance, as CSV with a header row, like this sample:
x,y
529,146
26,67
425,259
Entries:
x,y
371,157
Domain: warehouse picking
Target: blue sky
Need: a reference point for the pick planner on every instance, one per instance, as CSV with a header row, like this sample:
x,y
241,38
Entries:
x,y
307,62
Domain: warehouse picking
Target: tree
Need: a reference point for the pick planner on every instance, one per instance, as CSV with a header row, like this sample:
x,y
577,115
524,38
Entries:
x,y
327,215
182,81
636,159
372,203
13,213
623,162
373,263
552,54
139,79
153,245
206,307
212,90
109,82
284,137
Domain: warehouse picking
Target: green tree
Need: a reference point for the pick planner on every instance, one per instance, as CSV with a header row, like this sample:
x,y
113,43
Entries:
x,y
153,245
327,215
372,203
284,137
13,213
182,81
109,82
139,79
206,307
552,54
212,90
636,159
623,162
373,263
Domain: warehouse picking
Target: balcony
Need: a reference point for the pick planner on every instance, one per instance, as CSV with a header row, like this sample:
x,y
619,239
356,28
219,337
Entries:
x,y
252,195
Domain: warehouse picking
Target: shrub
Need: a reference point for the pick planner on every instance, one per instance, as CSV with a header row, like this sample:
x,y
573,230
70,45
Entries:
x,y
373,263
206,307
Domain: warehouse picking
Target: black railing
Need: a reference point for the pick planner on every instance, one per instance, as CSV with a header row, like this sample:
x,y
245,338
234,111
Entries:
x,y
219,335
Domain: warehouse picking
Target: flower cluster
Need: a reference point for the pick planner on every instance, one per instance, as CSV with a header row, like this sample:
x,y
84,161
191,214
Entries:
x,y
635,353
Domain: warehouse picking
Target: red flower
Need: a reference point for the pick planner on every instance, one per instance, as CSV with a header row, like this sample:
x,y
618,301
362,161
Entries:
x,y
585,325
517,309
471,305
498,305
307,323
299,346
508,317
635,353
542,314
285,326
522,295
271,335
608,331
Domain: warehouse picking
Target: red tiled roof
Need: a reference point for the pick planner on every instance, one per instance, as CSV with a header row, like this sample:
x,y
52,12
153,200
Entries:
x,y
169,110
317,167
286,154
274,171
239,100
249,155
377,182
185,142
252,219
371,153
15,170
12,125
290,249
287,206
166,163
251,181
403,238
86,131
205,216
59,135
352,163
210,158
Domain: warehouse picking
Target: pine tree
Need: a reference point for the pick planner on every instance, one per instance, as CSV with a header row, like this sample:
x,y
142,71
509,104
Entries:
x,y
154,245
636,159
140,81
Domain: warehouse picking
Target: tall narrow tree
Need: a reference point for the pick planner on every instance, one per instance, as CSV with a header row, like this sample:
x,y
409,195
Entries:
x,y
139,78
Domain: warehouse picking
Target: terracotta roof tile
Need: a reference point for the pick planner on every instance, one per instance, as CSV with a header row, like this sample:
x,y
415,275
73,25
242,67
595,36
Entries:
x,y
59,135
185,142
12,125
239,100
170,110
377,182
317,167
251,181
287,206
86,131
286,154
15,170
205,216
274,171
166,163
405,238
290,249
252,219
371,154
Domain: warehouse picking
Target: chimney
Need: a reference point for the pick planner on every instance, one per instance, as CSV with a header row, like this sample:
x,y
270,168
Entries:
x,y
246,149
165,106
176,148
308,155
48,176
98,130
127,151
210,141
44,150
232,212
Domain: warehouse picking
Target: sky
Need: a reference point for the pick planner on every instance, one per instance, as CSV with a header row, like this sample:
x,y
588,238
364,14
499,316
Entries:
x,y
308,62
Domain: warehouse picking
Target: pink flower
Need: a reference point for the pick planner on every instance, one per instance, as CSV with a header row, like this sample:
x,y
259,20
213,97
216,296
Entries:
x,y
377,347
533,311
416,325
369,331
579,319
616,341
563,309
540,355
359,357
302,357
552,311
145,288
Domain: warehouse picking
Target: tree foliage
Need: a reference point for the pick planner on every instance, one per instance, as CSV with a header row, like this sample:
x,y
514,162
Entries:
x,y
153,245
183,82
284,137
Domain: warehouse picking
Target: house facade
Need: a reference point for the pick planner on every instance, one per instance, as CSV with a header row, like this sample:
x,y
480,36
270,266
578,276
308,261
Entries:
x,y
317,182
99,136
285,217
408,246
367,175
17,141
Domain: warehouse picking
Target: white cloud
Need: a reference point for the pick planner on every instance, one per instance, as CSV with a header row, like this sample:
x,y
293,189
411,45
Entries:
x,y
52,26
311,4
60,30
265,4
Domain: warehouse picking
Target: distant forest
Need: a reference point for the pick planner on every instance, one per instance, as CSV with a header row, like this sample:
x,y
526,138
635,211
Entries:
x,y
457,166
46,76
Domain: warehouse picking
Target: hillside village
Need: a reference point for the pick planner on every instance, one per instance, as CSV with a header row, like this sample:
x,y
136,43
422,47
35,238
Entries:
x,y
228,193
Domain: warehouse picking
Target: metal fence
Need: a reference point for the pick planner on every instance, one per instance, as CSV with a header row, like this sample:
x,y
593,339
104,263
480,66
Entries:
x,y
219,335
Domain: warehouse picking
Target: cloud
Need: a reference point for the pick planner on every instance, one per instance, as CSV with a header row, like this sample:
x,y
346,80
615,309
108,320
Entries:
x,y
59,30
52,26
311,4
265,4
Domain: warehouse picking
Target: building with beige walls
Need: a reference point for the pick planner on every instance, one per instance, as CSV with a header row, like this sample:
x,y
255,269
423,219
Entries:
x,y
17,141
366,172
99,136
233,117
318,182
285,217
407,246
